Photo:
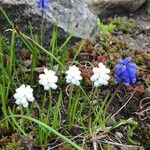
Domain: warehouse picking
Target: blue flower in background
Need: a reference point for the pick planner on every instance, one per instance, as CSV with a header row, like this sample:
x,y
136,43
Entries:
x,y
42,4
125,71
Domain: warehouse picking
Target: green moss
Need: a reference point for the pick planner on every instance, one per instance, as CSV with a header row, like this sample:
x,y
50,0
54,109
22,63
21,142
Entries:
x,y
124,25
105,30
14,145
10,143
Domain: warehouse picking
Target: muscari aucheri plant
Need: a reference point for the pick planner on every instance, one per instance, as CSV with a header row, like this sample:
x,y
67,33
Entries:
x,y
125,72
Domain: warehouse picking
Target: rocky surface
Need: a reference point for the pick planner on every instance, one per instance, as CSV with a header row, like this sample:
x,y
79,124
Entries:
x,y
140,36
70,15
148,7
77,16
107,8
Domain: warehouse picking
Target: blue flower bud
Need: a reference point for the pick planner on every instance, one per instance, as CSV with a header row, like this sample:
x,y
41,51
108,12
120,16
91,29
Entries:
x,y
125,71
124,68
118,69
42,4
127,81
124,61
120,61
118,79
128,59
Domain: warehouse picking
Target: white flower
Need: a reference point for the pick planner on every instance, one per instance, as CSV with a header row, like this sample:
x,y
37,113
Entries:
x,y
73,75
23,95
100,76
48,80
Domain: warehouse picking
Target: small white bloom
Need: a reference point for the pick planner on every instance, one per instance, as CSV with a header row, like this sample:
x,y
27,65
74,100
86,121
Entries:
x,y
73,75
23,95
48,80
100,76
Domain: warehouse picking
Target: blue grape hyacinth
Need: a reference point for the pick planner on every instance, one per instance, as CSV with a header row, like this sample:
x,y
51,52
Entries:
x,y
42,4
125,71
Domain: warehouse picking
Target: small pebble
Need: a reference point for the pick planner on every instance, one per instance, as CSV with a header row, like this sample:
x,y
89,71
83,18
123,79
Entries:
x,y
94,102
111,122
118,135
147,92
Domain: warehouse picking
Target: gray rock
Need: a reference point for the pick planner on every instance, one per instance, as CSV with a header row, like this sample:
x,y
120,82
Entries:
x,y
70,15
148,7
139,39
107,8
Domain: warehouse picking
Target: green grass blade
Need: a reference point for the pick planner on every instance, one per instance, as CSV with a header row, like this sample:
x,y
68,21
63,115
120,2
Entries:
x,y
23,36
6,16
48,128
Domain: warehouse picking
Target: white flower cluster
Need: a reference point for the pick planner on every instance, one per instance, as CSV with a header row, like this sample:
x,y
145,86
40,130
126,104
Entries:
x,y
23,95
73,75
100,76
48,79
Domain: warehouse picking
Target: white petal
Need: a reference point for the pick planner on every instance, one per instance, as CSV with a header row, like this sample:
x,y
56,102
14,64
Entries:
x,y
45,70
96,83
31,99
77,77
42,76
101,80
68,77
18,101
101,65
47,87
77,83
105,82
106,77
94,77
68,81
96,70
18,95
107,70
25,104
55,78
53,86
21,88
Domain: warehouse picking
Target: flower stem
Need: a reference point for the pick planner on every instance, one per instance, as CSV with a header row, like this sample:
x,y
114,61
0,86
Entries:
x,y
50,106
42,27
22,119
31,108
69,118
43,105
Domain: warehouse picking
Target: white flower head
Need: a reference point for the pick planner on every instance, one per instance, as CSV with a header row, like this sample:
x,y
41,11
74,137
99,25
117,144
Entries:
x,y
23,95
73,75
48,79
100,76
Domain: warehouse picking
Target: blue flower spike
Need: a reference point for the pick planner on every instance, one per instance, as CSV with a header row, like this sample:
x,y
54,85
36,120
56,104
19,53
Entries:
x,y
125,71
42,4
